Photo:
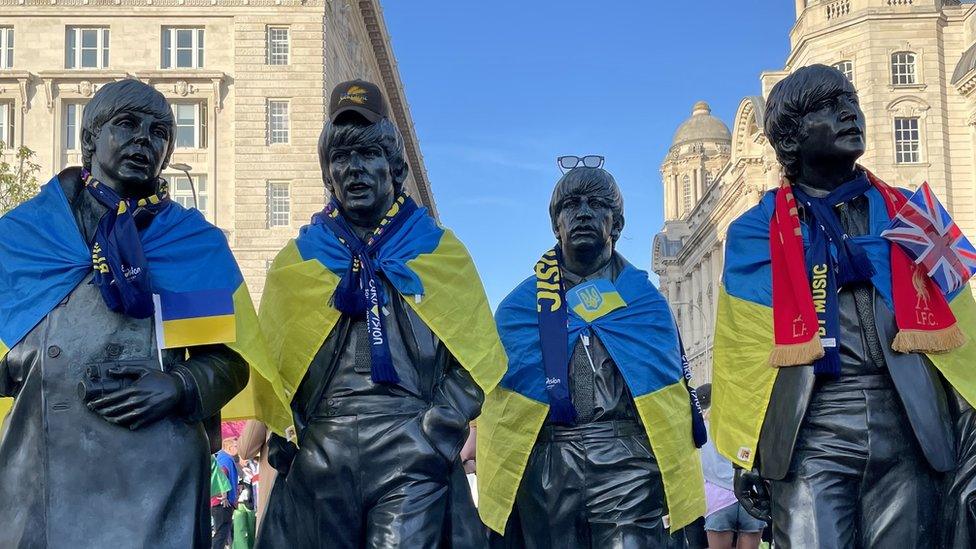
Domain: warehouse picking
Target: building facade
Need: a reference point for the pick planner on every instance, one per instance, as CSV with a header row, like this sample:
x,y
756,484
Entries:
x,y
249,81
913,63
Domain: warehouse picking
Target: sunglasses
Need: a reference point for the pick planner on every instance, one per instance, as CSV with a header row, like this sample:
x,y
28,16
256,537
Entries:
x,y
567,163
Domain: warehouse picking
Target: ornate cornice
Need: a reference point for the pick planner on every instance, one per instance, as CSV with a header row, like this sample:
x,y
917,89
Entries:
x,y
21,78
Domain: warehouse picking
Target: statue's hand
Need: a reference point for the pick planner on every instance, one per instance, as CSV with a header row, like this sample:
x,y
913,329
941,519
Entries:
x,y
147,395
753,493
468,457
281,453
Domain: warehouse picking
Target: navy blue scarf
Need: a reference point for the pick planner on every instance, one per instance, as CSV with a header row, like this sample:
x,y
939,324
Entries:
x,y
698,430
553,336
121,269
834,261
360,291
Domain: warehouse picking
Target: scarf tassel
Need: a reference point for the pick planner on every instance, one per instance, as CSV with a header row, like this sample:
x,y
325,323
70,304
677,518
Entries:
x,y
929,341
348,299
562,411
383,372
796,354
829,366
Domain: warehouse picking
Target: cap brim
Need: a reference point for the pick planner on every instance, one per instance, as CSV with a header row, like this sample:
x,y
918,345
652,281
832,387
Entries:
x,y
369,115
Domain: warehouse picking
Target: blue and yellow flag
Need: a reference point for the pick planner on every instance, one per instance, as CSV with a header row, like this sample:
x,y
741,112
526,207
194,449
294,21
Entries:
x,y
742,378
201,295
426,264
634,323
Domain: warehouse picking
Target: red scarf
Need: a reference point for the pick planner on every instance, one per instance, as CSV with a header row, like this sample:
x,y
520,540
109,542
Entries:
x,y
925,322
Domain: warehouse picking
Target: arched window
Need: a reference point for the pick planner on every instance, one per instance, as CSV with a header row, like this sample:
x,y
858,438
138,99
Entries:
x,y
846,67
686,194
708,177
903,69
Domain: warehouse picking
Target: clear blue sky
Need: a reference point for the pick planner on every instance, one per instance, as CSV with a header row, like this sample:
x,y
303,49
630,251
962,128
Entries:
x,y
499,89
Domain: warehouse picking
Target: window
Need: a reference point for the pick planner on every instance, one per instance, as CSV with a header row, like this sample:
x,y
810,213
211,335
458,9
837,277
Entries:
x,y
278,45
846,67
686,193
71,122
277,122
6,47
708,178
903,69
191,125
86,48
906,140
182,192
182,48
7,124
279,204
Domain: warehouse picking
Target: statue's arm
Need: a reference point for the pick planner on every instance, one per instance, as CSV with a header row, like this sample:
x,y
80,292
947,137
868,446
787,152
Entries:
x,y
211,377
457,401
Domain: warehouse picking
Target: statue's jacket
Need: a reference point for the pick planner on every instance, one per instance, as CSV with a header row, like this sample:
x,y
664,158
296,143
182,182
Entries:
x,y
445,350
758,410
645,383
68,478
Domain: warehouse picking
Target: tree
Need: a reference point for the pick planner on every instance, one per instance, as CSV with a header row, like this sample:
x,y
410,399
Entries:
x,y
18,179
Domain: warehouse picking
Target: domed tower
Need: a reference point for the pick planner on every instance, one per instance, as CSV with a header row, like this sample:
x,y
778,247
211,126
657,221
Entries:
x,y
699,149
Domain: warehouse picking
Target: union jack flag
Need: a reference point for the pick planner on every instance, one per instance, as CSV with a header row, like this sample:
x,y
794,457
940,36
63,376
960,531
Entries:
x,y
924,229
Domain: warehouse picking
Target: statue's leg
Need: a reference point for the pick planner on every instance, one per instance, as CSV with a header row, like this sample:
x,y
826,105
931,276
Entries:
x,y
405,483
550,499
625,495
900,491
816,505
317,505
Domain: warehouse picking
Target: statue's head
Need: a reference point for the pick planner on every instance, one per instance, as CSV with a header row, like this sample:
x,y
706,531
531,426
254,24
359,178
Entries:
x,y
361,151
813,116
587,210
127,136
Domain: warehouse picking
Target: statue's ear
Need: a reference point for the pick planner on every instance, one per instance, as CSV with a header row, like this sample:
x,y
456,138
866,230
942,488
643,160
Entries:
x,y
789,146
401,176
87,144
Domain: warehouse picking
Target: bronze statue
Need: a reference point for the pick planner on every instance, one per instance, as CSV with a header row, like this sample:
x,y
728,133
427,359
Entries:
x,y
377,316
575,448
106,443
852,429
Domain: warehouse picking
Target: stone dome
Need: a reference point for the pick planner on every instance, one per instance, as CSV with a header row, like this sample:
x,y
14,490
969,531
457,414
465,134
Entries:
x,y
702,126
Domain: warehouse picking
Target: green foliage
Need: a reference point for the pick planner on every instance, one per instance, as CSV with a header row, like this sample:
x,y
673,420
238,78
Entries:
x,y
18,177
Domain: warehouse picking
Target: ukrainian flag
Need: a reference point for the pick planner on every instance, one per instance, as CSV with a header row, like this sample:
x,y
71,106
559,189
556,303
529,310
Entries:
x,y
742,379
634,322
426,264
201,295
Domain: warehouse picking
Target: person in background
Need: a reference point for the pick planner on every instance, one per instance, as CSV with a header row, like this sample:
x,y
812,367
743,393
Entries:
x,y
724,515
222,506
253,444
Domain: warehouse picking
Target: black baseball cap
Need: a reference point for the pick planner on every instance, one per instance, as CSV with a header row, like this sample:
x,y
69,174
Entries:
x,y
360,97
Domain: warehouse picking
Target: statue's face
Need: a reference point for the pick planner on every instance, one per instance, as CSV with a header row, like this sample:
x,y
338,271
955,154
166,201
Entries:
x,y
130,149
585,222
833,131
361,179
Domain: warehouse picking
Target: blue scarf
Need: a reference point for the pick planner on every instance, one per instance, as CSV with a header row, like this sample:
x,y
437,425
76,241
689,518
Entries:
x,y
553,333
360,291
834,260
699,431
121,269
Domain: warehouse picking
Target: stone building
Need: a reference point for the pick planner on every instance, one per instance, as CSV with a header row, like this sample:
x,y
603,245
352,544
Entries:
x,y
913,63
249,81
